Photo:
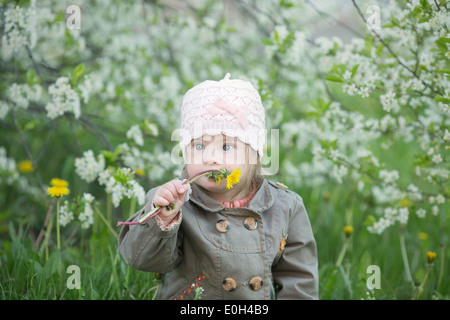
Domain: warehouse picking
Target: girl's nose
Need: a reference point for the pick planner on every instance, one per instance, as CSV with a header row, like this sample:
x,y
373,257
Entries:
x,y
211,155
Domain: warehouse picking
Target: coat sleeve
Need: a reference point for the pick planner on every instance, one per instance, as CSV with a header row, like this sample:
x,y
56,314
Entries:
x,y
296,273
146,247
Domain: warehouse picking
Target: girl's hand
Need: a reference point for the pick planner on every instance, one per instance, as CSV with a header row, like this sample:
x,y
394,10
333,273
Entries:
x,y
171,197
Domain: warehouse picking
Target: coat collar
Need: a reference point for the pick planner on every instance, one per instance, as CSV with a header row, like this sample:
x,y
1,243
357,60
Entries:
x,y
261,201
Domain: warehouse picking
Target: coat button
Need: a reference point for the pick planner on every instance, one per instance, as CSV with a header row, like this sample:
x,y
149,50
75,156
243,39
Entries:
x,y
256,283
222,226
250,223
229,284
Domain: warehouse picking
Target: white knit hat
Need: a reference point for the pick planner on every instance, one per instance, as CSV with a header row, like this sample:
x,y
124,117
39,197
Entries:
x,y
229,107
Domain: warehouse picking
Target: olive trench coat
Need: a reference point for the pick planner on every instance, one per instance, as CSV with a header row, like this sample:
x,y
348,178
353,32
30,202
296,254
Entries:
x,y
265,250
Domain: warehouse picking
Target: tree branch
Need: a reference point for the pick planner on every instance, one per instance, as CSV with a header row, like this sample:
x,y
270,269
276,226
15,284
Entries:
x,y
393,53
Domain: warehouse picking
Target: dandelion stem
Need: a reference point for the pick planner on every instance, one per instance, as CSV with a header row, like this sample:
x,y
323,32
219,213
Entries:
x,y
58,241
158,209
419,289
404,254
342,254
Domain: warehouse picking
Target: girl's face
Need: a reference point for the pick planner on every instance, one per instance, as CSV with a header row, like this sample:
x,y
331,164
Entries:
x,y
216,152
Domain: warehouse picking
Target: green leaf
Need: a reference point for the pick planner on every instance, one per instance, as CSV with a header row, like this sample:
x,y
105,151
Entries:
x,y
388,25
420,159
77,73
334,79
32,78
276,37
30,125
333,144
267,41
286,4
439,98
122,177
425,5
354,69
441,44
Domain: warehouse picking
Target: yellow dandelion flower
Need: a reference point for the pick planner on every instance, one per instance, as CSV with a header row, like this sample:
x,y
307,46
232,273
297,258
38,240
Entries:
x,y
58,188
139,172
233,178
57,191
423,236
59,182
405,202
431,256
348,230
25,166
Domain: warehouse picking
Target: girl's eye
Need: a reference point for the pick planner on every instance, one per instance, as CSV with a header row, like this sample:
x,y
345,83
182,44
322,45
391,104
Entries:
x,y
199,146
227,147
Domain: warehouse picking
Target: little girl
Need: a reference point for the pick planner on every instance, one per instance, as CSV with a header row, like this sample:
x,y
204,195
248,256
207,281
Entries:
x,y
251,240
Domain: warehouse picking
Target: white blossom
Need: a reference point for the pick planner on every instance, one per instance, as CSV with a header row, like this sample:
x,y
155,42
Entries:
x,y
434,210
389,102
104,176
388,177
21,94
403,214
117,192
4,109
447,135
364,92
86,217
135,190
89,198
339,172
19,29
88,167
440,199
63,99
379,226
135,133
421,212
65,215
347,75
437,158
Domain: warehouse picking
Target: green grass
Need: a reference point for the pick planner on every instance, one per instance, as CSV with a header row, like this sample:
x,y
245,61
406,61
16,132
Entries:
x,y
27,275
